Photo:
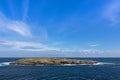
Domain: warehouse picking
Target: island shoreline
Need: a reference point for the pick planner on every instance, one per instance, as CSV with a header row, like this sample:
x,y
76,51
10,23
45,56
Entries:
x,y
52,61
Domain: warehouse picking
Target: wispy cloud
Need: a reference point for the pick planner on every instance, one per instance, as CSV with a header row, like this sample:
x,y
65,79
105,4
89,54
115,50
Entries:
x,y
111,12
25,9
19,27
85,53
92,51
22,28
93,45
32,46
32,49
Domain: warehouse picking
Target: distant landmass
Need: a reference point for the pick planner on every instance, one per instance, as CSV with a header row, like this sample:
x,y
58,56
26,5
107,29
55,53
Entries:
x,y
51,61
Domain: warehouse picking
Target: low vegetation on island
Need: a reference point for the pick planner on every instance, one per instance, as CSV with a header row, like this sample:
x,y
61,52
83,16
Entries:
x,y
51,61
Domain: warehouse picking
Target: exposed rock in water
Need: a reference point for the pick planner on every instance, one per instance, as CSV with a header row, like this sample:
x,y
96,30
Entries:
x,y
51,61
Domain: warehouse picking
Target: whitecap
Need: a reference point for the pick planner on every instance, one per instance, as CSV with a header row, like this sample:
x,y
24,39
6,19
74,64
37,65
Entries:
x,y
99,63
103,63
69,64
4,64
76,64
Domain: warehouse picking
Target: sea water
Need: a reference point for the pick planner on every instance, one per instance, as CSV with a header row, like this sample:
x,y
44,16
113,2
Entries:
x,y
106,69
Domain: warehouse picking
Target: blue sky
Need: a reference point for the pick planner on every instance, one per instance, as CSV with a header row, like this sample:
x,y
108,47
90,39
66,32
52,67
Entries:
x,y
59,28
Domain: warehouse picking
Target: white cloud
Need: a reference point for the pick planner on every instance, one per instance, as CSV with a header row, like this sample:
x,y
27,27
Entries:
x,y
92,51
32,49
93,45
26,46
26,53
19,27
31,46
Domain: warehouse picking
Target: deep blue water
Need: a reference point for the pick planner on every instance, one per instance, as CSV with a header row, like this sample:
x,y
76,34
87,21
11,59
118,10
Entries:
x,y
109,70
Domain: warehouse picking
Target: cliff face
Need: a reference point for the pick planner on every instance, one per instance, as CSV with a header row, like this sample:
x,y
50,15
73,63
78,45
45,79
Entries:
x,y
51,61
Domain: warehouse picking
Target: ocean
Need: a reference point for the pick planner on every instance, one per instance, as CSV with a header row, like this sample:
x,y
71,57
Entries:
x,y
107,69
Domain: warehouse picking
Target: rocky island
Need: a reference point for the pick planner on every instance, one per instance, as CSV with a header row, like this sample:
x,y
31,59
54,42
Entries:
x,y
51,61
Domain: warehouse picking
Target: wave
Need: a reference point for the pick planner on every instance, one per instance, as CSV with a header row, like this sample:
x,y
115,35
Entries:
x,y
99,63
5,64
104,63
76,64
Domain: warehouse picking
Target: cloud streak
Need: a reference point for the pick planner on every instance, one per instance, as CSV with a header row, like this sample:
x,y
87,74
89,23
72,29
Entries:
x,y
18,27
93,45
25,9
26,46
32,49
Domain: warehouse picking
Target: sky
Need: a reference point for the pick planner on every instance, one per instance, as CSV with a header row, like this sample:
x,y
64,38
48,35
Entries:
x,y
59,28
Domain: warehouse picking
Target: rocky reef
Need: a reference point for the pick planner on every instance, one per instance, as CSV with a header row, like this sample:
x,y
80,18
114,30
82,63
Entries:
x,y
51,61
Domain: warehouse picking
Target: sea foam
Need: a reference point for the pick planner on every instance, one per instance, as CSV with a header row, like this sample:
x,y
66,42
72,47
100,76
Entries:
x,y
4,64
103,63
99,63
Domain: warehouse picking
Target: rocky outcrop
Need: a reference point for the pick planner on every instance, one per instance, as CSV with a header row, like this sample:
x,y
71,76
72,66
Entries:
x,y
51,61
